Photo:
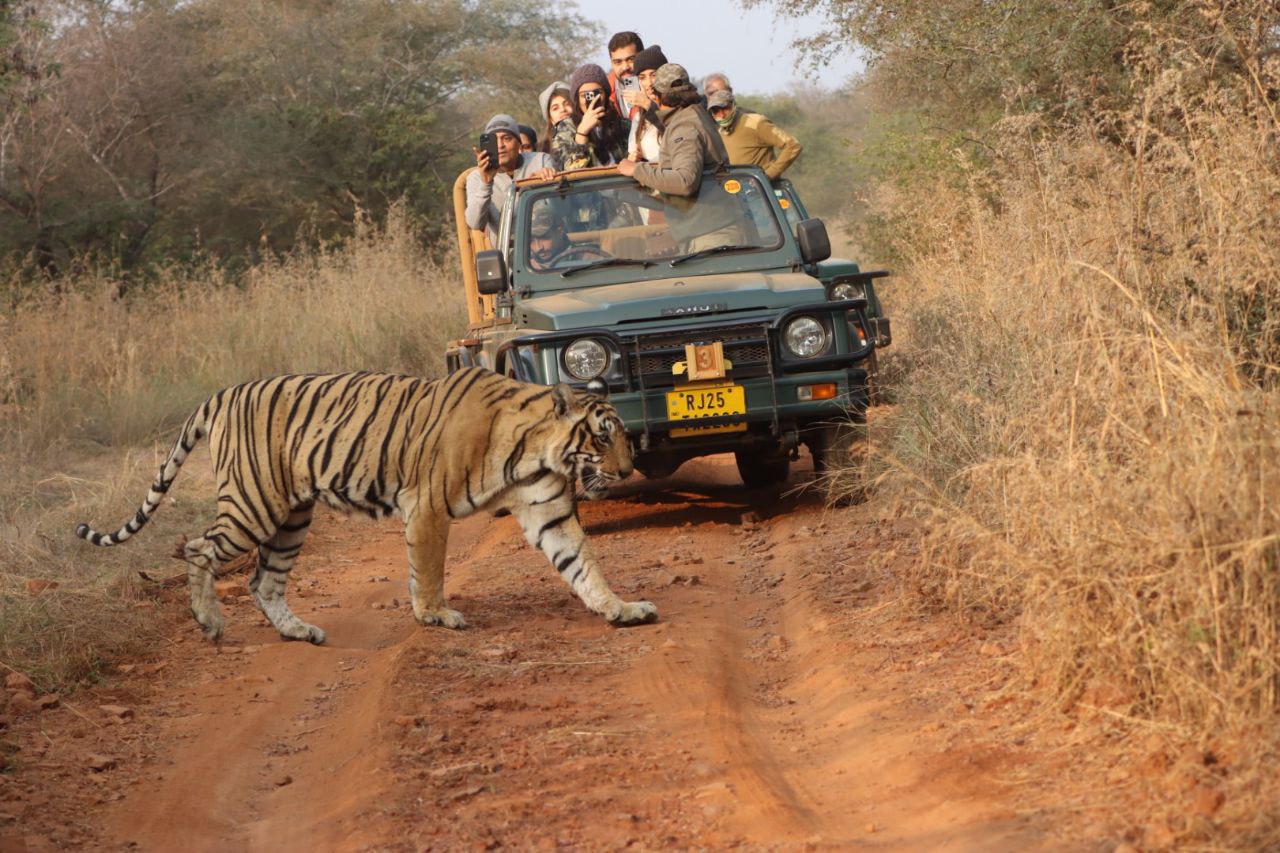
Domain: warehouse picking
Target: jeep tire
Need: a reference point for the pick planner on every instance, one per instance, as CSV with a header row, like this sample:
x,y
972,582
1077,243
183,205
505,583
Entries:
x,y
759,470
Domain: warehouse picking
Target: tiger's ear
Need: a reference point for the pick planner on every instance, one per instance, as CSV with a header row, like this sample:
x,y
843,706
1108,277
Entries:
x,y
565,400
598,387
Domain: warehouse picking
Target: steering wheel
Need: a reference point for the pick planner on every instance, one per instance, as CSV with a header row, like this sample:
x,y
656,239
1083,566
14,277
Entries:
x,y
577,251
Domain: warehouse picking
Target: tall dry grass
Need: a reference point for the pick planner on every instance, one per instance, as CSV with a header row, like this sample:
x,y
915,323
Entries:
x,y
1089,423
87,365
92,386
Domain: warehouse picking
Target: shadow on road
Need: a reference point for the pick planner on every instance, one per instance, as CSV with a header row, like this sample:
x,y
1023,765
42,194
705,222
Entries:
x,y
702,492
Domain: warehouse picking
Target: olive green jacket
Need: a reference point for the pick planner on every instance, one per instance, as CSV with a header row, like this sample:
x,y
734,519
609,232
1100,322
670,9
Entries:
x,y
751,140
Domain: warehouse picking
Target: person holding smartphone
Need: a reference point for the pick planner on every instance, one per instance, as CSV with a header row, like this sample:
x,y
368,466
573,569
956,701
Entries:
x,y
594,134
623,48
689,146
690,143
499,164
646,129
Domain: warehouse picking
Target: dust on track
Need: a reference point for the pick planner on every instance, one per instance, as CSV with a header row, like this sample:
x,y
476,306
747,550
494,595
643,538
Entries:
x,y
784,700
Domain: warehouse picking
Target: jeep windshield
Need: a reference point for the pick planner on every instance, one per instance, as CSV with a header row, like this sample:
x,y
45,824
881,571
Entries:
x,y
615,230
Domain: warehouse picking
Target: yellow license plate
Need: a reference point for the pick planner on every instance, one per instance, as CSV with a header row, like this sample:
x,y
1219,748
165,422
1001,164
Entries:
x,y
706,401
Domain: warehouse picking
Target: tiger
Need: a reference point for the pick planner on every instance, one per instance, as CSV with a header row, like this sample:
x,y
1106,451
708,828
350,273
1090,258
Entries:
x,y
427,451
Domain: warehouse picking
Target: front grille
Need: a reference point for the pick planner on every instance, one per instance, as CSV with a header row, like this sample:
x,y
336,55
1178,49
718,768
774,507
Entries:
x,y
744,347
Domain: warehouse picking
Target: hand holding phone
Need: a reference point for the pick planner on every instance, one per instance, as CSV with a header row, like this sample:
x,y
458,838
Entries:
x,y
483,164
593,114
489,146
629,89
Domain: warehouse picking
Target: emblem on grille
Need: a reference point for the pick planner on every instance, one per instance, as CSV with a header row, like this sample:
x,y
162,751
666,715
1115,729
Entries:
x,y
704,308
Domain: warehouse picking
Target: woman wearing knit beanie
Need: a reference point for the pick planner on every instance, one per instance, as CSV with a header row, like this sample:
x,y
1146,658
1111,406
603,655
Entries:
x,y
646,131
594,135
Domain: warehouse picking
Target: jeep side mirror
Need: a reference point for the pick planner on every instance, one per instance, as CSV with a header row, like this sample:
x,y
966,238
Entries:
x,y
491,272
815,245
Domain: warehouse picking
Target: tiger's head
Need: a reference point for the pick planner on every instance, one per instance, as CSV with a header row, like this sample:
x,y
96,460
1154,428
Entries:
x,y
598,451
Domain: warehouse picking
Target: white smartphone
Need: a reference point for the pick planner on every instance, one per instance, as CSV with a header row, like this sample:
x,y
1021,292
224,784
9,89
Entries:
x,y
627,86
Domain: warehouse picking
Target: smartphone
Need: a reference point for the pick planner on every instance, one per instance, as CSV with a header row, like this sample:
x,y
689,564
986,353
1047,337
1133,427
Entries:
x,y
628,87
489,142
590,97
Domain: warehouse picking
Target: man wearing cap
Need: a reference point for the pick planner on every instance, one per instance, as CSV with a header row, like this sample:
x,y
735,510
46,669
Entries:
x,y
490,184
547,237
689,145
751,138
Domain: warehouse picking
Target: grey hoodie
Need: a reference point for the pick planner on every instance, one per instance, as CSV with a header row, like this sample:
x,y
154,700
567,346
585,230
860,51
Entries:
x,y
544,100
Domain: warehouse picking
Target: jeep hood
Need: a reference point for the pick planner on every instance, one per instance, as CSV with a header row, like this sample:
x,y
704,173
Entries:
x,y
704,295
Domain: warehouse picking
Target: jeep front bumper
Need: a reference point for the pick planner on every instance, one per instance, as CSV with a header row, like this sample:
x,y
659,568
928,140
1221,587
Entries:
x,y
641,371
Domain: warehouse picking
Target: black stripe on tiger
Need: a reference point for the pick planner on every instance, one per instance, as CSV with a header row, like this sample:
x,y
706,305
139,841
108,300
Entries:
x,y
555,522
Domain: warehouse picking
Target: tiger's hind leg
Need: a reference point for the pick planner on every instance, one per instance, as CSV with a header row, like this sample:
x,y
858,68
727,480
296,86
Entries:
x,y
221,542
275,560
203,556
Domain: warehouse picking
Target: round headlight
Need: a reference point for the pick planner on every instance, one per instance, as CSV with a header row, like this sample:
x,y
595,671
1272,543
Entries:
x,y
805,337
586,358
848,290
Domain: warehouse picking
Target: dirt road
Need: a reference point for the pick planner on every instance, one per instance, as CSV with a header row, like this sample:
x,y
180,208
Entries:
x,y
784,699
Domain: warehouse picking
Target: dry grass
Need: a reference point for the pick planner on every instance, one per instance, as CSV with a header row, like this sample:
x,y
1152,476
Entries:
x,y
90,366
1090,426
93,385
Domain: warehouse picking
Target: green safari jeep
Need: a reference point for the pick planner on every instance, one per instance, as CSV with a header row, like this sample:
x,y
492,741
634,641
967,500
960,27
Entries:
x,y
716,322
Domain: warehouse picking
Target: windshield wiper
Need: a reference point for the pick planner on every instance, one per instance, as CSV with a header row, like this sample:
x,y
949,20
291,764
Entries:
x,y
714,250
607,262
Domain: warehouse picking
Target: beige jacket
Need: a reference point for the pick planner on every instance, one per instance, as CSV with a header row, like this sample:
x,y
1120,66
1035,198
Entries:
x,y
751,140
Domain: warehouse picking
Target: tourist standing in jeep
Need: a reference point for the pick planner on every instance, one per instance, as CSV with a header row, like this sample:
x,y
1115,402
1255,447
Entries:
x,y
646,131
751,137
689,145
689,141
489,185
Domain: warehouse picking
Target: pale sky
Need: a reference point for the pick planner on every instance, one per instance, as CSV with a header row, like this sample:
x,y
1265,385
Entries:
x,y
750,46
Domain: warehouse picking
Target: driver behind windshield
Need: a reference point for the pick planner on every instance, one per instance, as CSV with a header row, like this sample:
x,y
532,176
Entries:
x,y
547,237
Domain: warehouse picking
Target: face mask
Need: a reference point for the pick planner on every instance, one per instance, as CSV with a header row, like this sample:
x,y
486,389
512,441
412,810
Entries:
x,y
727,119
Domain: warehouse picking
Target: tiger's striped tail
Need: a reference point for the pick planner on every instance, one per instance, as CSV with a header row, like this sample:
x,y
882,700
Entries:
x,y
193,430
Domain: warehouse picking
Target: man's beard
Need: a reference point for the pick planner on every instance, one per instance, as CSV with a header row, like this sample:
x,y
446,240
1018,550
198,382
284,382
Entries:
x,y
544,257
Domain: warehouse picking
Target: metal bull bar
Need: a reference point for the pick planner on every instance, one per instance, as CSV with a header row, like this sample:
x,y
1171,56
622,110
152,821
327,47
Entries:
x,y
513,356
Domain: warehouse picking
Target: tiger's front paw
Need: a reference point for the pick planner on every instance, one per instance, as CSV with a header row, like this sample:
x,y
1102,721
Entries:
x,y
444,616
634,613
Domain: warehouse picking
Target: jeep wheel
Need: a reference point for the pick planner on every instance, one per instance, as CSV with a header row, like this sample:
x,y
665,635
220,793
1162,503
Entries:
x,y
656,471
762,469
839,446
876,395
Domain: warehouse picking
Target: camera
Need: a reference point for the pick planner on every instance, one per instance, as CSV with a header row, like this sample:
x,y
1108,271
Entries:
x,y
590,97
